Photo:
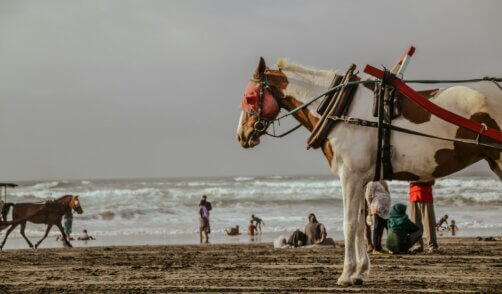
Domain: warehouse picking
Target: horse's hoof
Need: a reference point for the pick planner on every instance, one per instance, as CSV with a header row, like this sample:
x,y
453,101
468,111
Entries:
x,y
357,281
344,282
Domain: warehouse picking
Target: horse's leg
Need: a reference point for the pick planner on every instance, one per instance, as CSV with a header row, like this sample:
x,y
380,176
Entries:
x,y
23,226
49,226
363,260
65,239
12,227
353,229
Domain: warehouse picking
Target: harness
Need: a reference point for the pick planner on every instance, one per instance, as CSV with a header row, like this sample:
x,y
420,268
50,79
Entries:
x,y
386,107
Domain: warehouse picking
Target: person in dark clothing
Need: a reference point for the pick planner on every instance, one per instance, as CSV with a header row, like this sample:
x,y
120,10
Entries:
x,y
298,238
402,233
315,231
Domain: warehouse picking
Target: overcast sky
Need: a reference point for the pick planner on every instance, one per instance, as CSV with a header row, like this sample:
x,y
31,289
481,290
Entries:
x,y
110,89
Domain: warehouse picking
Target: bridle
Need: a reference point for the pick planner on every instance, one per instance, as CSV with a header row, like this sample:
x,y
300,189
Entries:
x,y
262,122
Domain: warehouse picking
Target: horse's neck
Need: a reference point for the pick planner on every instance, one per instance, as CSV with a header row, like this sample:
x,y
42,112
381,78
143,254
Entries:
x,y
304,85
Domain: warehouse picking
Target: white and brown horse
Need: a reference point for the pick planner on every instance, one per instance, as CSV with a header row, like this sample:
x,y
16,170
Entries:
x,y
49,213
351,150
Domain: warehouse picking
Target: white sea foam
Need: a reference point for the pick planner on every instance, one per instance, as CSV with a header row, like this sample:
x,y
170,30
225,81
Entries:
x,y
169,207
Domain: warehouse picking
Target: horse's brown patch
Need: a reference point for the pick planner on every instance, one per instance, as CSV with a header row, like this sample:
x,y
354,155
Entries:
x,y
304,116
405,176
462,155
412,111
328,151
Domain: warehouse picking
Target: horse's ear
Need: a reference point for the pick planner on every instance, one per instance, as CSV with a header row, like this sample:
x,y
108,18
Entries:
x,y
260,69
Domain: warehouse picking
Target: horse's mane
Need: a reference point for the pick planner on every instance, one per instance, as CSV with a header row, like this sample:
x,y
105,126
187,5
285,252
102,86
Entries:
x,y
313,75
64,196
284,64
305,81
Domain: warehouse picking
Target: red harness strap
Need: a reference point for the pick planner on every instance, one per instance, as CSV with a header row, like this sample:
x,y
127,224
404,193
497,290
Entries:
x,y
435,109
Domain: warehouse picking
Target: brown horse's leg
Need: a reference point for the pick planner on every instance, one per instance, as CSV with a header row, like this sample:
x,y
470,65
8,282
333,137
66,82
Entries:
x,y
12,227
49,226
65,239
23,226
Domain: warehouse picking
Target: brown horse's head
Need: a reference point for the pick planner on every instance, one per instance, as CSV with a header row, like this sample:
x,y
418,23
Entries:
x,y
75,204
260,104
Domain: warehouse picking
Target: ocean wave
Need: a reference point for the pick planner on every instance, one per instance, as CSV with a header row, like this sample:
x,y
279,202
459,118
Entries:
x,y
238,179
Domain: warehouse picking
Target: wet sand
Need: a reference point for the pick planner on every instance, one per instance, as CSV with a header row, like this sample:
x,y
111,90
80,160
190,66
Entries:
x,y
463,265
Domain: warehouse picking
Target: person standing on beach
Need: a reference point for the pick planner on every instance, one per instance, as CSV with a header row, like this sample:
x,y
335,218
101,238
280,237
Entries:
x,y
203,222
422,213
402,233
258,222
209,208
378,197
68,224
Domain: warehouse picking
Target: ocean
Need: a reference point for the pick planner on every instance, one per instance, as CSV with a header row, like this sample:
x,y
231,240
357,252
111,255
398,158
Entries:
x,y
164,211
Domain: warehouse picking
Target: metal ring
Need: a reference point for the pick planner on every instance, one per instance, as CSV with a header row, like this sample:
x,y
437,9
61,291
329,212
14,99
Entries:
x,y
260,126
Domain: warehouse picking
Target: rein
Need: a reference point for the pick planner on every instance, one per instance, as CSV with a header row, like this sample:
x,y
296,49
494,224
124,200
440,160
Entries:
x,y
262,123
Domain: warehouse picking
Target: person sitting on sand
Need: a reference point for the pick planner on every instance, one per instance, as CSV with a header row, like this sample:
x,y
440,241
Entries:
x,y
453,228
443,220
378,197
315,231
232,231
85,237
258,222
402,233
251,228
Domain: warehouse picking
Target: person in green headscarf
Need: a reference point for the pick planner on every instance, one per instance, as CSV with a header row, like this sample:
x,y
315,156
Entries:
x,y
402,233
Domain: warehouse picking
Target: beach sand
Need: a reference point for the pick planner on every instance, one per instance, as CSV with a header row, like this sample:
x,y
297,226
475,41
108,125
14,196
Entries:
x,y
463,265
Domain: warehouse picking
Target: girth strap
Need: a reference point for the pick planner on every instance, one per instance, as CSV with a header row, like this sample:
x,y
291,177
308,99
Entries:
x,y
385,113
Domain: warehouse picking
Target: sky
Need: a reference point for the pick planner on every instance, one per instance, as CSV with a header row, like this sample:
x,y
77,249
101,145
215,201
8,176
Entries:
x,y
95,89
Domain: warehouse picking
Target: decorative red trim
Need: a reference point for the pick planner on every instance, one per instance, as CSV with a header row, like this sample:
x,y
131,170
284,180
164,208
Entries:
x,y
408,52
436,110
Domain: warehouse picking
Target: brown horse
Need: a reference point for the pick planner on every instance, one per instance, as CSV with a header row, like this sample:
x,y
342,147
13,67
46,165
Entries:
x,y
49,213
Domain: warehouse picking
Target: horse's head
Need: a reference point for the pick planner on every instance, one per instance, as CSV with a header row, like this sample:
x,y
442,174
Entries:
x,y
260,104
75,204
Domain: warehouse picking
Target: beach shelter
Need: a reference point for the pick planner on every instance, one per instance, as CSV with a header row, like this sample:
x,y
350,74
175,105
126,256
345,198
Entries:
x,y
3,189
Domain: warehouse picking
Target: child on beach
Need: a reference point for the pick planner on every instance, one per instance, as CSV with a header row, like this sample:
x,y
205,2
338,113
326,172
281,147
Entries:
x,y
232,231
251,228
258,221
453,228
85,237
443,220
402,233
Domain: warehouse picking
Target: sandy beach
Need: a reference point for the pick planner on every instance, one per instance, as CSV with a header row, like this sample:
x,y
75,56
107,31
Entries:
x,y
464,265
